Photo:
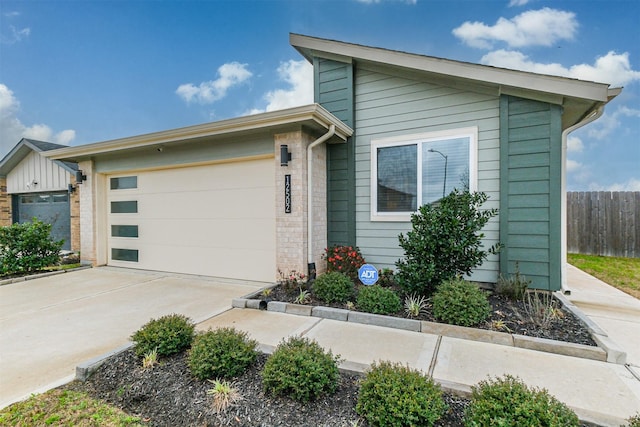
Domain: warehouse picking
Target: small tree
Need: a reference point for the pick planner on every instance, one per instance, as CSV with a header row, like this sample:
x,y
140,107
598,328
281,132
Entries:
x,y
26,247
445,241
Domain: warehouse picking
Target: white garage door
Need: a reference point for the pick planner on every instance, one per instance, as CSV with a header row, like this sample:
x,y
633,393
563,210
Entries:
x,y
215,220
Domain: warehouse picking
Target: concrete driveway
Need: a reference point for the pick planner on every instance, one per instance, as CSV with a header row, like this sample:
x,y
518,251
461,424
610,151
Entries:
x,y
50,325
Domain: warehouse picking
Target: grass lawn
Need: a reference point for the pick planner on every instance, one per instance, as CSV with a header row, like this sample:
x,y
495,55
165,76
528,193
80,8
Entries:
x,y
622,273
63,407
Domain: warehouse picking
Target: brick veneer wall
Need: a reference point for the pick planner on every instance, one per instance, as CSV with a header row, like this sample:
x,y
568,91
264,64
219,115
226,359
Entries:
x,y
86,209
291,228
5,204
74,207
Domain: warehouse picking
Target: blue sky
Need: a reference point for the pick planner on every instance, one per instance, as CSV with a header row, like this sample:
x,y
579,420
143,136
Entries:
x,y
76,72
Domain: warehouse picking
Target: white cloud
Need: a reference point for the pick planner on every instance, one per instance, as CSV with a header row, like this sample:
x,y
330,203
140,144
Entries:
x,y
633,184
229,75
299,76
613,68
542,27
574,144
12,129
573,166
609,122
513,3
15,35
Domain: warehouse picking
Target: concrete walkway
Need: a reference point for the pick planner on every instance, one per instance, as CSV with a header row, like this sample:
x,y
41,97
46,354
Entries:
x,y
50,325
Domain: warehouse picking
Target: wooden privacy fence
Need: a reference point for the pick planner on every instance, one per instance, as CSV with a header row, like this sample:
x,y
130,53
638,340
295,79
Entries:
x,y
604,223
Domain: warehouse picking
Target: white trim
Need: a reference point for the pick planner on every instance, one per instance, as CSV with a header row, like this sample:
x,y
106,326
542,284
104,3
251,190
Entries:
x,y
417,139
314,115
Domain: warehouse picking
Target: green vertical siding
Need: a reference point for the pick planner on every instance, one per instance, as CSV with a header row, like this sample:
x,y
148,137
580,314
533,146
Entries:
x,y
334,90
394,105
530,202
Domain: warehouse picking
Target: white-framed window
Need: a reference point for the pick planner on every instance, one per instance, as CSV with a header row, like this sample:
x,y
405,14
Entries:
x,y
412,170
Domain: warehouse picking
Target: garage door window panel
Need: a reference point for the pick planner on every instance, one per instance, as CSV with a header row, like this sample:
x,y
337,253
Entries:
x,y
124,231
124,182
119,254
127,206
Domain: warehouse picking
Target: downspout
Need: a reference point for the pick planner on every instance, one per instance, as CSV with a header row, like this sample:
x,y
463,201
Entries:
x,y
323,138
594,115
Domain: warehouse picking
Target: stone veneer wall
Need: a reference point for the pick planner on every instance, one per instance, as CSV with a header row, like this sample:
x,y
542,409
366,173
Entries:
x,y
5,204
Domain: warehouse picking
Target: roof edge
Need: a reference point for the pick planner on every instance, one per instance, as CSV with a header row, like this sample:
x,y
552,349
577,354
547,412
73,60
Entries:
x,y
312,112
309,46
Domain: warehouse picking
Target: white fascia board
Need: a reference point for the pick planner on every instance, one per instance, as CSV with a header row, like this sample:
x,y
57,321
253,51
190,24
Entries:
x,y
313,112
463,70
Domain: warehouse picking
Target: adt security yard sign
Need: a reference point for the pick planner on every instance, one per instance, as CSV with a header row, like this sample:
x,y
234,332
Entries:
x,y
368,274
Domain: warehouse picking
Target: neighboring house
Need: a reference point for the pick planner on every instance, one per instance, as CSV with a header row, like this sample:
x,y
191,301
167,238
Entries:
x,y
389,131
31,185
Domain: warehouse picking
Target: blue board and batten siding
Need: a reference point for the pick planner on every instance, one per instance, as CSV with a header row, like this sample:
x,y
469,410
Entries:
x,y
392,105
531,194
334,90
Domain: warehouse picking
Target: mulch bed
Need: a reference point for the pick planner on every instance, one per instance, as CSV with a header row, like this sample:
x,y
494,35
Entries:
x,y
506,316
168,395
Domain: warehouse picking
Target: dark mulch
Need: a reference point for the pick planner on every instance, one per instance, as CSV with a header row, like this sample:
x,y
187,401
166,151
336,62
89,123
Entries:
x,y
506,316
168,395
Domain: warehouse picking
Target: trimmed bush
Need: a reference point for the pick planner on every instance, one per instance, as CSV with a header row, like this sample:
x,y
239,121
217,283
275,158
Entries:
x,y
221,353
445,241
166,335
378,300
395,395
507,401
27,247
301,369
459,302
333,287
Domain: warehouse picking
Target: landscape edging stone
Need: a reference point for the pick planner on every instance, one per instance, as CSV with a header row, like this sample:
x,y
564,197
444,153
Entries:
x,y
606,349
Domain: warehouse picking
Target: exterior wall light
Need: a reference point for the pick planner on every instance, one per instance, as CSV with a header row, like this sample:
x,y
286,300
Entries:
x,y
285,155
80,177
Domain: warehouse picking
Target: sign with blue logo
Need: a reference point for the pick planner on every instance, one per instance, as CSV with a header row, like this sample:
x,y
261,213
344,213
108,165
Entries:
x,y
368,274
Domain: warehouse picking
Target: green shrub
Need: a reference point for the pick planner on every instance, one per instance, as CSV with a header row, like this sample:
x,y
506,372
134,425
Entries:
x,y
459,302
386,277
221,353
26,247
301,369
513,287
395,395
445,242
344,259
509,402
333,287
378,300
634,421
166,335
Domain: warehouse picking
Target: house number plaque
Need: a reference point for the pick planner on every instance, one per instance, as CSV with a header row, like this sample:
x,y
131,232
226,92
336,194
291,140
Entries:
x,y
287,194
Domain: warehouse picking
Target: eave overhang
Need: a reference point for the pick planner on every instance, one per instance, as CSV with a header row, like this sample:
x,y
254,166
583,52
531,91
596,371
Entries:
x,y
312,116
577,97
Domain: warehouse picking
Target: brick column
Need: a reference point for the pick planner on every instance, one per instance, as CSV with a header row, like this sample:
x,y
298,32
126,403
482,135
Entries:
x,y
74,208
87,207
5,204
291,228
